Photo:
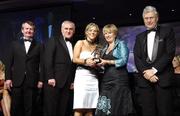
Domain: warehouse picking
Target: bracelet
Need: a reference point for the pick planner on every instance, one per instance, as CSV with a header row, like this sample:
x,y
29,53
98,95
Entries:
x,y
110,62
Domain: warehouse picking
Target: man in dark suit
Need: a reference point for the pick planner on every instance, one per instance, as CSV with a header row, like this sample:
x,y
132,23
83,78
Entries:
x,y
153,52
23,65
59,71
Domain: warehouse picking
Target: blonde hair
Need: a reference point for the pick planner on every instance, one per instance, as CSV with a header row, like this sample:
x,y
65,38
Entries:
x,y
178,58
92,25
2,66
110,28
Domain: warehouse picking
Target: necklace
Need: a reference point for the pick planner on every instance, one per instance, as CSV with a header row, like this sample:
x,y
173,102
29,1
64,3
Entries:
x,y
91,46
90,41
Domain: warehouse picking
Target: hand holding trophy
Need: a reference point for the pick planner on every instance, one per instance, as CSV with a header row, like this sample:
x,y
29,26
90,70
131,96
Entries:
x,y
97,54
97,59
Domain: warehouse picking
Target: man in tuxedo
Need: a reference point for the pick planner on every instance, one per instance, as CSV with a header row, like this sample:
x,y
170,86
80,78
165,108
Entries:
x,y
153,52
23,77
59,71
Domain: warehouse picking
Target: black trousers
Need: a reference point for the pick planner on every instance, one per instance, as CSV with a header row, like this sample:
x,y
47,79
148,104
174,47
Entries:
x,y
56,100
155,100
23,100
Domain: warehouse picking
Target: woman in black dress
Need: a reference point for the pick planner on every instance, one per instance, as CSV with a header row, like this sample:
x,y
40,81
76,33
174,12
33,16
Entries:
x,y
115,95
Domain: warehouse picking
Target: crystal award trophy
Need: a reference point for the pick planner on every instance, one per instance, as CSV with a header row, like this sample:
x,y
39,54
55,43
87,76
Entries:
x,y
97,54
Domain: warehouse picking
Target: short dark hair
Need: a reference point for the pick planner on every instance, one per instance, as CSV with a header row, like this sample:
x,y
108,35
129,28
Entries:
x,y
30,23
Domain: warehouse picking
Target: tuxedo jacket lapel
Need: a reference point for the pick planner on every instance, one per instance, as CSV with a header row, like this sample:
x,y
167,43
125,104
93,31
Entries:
x,y
61,41
144,43
155,46
144,47
21,41
33,43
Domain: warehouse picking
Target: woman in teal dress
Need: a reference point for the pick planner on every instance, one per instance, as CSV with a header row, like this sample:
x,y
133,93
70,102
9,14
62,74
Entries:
x,y
115,95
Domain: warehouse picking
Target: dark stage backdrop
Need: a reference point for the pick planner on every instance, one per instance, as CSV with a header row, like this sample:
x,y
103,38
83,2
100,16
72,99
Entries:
x,y
48,22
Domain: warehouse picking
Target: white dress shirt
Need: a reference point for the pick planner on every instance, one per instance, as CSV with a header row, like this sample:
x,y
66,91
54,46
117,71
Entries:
x,y
27,45
150,43
70,49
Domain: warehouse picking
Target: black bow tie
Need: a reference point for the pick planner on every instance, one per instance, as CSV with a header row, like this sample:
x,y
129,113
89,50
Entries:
x,y
152,30
29,40
66,39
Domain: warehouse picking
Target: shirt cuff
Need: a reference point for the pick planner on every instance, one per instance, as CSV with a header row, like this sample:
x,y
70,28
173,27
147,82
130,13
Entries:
x,y
155,70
